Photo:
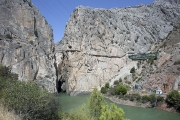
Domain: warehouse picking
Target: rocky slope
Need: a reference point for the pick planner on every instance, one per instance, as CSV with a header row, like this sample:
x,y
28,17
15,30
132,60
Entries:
x,y
26,43
165,74
97,42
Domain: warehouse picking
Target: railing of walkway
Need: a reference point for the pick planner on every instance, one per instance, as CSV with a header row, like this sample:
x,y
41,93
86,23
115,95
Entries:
x,y
143,56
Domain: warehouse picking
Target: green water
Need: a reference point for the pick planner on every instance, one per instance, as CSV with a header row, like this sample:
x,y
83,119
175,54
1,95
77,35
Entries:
x,y
132,113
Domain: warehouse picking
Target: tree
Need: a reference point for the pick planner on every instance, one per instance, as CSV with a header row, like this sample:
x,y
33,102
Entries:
x,y
81,113
173,99
145,99
121,89
29,99
132,70
120,80
107,85
114,113
97,109
103,90
26,98
152,98
116,82
95,103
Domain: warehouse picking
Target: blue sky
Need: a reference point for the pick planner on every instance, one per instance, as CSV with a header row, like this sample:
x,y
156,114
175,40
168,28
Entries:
x,y
57,12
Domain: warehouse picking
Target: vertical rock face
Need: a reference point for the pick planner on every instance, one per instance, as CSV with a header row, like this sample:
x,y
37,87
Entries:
x,y
96,42
26,43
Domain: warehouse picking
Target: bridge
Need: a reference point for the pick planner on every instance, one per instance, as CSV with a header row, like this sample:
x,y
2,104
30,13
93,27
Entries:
x,y
143,56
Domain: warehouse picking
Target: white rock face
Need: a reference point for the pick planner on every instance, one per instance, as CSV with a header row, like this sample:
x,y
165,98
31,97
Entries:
x,y
26,43
96,42
176,83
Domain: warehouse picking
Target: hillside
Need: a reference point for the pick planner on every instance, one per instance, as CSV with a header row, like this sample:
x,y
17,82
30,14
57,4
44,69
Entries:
x,y
166,69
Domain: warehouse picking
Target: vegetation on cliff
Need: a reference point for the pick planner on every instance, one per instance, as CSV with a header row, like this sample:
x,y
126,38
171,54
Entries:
x,y
173,100
120,91
27,99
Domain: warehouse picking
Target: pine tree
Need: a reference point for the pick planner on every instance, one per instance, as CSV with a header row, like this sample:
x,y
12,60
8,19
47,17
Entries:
x,y
114,113
95,103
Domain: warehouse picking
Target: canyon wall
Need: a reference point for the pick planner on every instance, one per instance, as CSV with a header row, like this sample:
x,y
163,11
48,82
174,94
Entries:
x,y
26,43
97,42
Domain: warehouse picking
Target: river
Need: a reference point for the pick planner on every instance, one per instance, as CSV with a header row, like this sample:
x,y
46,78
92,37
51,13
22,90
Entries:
x,y
133,113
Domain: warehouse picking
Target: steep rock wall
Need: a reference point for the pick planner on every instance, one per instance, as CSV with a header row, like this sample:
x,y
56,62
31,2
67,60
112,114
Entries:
x,y
96,42
26,43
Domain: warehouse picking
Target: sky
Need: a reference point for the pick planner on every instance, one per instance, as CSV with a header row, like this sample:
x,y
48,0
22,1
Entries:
x,y
57,12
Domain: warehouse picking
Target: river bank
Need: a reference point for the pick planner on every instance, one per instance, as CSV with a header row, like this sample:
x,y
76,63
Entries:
x,y
160,106
67,103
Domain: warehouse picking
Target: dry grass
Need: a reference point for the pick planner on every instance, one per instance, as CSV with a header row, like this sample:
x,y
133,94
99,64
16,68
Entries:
x,y
7,115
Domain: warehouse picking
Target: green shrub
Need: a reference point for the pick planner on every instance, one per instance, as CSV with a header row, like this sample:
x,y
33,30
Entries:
x,y
81,113
30,100
160,99
107,85
121,89
126,97
132,70
173,99
4,71
131,98
26,98
152,98
116,82
138,98
121,96
112,113
120,80
145,99
6,77
128,82
103,90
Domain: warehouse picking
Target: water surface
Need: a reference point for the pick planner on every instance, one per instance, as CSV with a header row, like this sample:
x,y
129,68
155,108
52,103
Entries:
x,y
132,113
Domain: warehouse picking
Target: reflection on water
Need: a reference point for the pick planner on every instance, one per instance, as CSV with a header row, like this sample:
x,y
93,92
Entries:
x,y
134,113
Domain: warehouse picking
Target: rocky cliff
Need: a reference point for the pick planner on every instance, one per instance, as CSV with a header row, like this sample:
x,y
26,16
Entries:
x,y
165,71
26,43
97,42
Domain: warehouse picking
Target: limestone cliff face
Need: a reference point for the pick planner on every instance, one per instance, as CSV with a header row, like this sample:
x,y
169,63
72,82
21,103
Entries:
x,y
96,42
26,43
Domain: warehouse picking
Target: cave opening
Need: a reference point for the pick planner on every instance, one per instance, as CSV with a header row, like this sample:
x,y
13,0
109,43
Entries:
x,y
59,84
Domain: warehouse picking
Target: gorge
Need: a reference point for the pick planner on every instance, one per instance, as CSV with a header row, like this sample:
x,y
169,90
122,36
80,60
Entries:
x,y
95,46
97,43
